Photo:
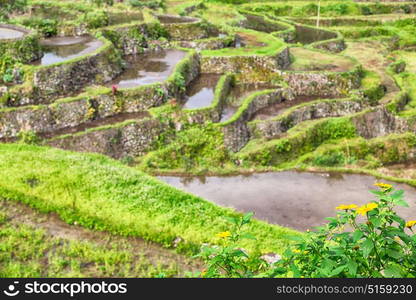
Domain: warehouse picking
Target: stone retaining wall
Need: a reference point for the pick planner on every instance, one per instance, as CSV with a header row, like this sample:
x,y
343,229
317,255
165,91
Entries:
x,y
69,77
130,139
24,49
275,127
193,30
323,84
236,130
213,112
75,111
246,64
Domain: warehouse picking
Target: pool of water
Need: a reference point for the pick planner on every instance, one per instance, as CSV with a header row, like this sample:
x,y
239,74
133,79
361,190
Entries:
x,y
299,200
309,35
8,33
60,49
201,91
148,68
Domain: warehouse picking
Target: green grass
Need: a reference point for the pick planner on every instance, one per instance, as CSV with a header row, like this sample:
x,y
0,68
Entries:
x,y
30,252
271,45
103,194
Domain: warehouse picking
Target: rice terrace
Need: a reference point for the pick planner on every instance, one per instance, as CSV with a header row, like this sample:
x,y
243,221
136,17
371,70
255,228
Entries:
x,y
207,138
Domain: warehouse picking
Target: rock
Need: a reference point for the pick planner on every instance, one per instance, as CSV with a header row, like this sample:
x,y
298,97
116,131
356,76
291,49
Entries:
x,y
177,241
271,258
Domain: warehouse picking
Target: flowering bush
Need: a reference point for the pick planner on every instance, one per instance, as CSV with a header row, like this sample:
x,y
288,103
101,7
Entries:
x,y
366,241
226,259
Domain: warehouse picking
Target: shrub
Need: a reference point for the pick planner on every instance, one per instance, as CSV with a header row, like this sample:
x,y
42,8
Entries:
x,y
381,244
48,27
28,137
226,259
153,4
367,241
330,160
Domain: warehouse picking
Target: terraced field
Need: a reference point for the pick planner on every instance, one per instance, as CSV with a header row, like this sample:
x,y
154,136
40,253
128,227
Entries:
x,y
190,88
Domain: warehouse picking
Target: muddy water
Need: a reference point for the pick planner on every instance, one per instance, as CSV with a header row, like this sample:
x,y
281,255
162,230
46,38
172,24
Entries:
x,y
299,200
307,35
8,33
96,123
60,49
148,68
201,91
237,95
277,109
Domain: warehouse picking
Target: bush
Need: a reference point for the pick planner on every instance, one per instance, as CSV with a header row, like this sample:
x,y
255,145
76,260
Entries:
x,y
48,27
330,160
8,6
95,19
381,244
226,259
367,241
153,4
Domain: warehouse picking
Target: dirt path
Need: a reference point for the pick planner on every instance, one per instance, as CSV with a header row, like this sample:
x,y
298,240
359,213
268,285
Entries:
x,y
18,214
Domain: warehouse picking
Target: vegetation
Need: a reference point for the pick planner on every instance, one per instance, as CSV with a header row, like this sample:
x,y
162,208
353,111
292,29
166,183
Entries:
x,y
30,250
367,241
339,98
102,194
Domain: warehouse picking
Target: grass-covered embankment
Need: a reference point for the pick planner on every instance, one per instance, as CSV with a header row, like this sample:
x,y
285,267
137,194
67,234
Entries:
x,y
102,194
40,245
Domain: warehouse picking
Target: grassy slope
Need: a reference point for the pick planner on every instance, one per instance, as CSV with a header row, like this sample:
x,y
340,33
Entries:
x,y
103,194
39,245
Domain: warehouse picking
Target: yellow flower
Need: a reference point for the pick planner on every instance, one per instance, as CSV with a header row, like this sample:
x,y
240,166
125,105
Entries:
x,y
410,224
363,210
297,251
383,186
346,207
224,234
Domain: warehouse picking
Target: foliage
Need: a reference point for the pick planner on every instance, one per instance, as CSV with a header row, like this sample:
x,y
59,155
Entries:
x,y
381,244
95,19
100,3
103,194
153,4
8,6
28,137
31,252
367,241
48,27
195,147
226,259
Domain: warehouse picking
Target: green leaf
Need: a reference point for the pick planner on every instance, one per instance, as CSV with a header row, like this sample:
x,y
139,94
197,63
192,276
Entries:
x,y
232,220
397,195
336,271
248,236
295,270
393,270
247,217
401,202
394,254
375,220
367,247
357,235
377,193
352,267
